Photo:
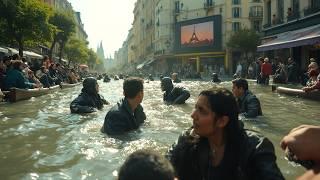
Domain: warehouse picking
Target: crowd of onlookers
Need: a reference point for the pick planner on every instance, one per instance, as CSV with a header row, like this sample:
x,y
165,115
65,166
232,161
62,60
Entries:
x,y
17,72
282,72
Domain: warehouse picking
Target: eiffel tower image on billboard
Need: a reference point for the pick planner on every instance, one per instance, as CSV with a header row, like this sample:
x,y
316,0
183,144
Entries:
x,y
194,38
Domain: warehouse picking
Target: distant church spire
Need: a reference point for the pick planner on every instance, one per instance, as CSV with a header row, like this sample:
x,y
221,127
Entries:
x,y
100,51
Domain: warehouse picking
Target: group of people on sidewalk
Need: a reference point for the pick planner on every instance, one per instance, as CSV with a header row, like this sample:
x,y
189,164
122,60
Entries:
x,y
16,72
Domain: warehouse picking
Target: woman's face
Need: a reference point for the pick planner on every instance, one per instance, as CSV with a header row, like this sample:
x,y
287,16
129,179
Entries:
x,y
203,118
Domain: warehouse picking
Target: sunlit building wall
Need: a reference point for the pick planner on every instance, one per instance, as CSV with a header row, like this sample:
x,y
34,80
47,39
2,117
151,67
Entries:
x,y
164,27
135,46
283,16
80,33
235,14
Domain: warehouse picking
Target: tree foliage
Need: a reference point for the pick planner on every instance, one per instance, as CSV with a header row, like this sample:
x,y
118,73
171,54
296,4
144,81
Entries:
x,y
76,51
25,20
64,28
244,40
93,58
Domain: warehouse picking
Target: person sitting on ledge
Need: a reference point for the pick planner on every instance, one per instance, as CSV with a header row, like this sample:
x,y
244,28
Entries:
x,y
89,99
215,78
128,113
173,95
249,104
314,81
175,78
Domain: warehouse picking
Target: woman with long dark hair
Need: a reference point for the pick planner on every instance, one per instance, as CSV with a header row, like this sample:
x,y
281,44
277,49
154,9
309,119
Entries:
x,y
218,147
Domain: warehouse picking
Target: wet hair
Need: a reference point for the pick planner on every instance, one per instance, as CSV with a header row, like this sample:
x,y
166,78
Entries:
x,y
223,103
239,82
132,86
89,85
146,165
166,83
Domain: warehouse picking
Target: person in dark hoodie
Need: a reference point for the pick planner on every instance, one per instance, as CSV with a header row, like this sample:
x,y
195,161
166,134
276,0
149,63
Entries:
x,y
215,78
249,104
173,95
89,99
128,113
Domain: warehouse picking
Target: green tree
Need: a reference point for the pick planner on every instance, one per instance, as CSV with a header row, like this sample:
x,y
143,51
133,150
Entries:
x,y
93,58
64,28
245,40
25,20
76,51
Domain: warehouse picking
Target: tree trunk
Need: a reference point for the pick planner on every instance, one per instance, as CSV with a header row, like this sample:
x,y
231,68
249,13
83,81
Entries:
x,y
61,51
52,46
20,48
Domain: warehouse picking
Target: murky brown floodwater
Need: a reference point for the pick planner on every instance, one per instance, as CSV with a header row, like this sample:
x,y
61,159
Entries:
x,y
40,139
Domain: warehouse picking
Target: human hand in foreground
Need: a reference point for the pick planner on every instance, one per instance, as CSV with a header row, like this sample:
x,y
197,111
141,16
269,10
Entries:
x,y
303,142
313,174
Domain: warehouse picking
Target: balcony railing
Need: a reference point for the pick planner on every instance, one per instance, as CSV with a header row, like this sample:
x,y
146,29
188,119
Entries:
x,y
257,14
311,10
294,16
267,25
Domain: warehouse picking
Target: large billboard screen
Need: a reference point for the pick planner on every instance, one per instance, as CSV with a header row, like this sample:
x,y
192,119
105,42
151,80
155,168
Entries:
x,y
199,35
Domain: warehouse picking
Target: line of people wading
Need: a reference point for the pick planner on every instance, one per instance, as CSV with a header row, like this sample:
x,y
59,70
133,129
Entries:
x,y
216,147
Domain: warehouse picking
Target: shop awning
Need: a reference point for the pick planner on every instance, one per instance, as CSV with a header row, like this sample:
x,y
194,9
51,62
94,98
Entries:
x,y
13,51
4,50
150,62
32,55
140,66
301,37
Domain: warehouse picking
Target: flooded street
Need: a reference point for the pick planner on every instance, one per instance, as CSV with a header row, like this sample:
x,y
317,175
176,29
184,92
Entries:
x,y
40,139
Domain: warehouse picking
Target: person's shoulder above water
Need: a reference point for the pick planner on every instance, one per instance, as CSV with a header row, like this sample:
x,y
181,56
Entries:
x,y
127,114
89,99
116,120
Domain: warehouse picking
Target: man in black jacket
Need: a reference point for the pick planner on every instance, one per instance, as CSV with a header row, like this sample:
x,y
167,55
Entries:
x,y
127,114
249,104
173,95
89,99
292,71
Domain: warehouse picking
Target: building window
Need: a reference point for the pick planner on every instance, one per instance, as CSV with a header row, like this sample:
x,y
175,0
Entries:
x,y
256,11
235,26
236,2
236,12
209,3
269,12
314,3
295,6
177,6
257,25
280,8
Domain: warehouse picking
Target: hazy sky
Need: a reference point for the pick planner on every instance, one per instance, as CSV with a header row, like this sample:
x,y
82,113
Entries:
x,y
106,20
